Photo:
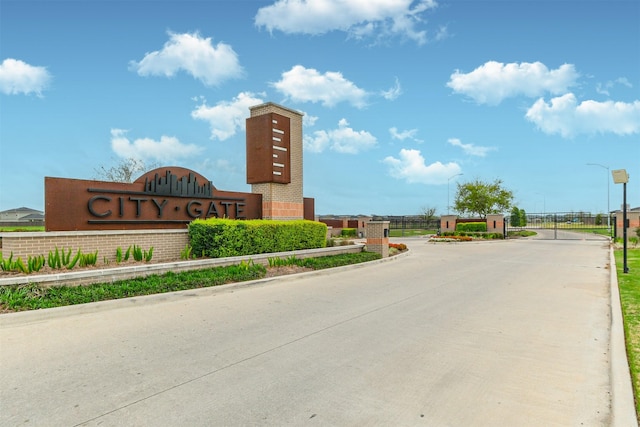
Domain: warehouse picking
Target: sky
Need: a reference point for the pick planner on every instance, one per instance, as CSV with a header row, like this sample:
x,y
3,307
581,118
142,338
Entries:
x,y
402,100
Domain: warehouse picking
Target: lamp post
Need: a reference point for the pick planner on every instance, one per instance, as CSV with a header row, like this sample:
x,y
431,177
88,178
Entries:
x,y
448,181
608,209
620,176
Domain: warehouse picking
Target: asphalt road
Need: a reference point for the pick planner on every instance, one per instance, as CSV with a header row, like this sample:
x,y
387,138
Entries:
x,y
508,333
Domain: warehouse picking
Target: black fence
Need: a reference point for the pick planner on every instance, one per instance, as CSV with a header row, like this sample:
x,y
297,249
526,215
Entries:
x,y
410,222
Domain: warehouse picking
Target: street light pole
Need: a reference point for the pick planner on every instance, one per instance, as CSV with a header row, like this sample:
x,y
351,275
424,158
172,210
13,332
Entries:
x,y
620,176
448,181
608,208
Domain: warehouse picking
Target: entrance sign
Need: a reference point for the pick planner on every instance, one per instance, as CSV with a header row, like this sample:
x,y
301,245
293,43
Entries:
x,y
168,197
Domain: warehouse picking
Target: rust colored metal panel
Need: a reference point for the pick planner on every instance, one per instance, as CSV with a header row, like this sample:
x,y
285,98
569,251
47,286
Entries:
x,y
309,208
268,149
163,198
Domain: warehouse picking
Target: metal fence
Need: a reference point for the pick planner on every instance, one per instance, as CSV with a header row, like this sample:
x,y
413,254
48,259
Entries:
x,y
410,222
563,225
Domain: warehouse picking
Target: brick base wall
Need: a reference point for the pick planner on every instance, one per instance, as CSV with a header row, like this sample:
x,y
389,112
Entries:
x,y
282,210
166,244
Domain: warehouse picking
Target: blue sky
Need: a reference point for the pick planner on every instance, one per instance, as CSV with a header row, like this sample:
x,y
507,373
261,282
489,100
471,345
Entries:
x,y
399,96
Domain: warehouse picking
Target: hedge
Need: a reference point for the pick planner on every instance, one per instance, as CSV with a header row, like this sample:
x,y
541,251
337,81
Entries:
x,y
349,232
218,237
471,226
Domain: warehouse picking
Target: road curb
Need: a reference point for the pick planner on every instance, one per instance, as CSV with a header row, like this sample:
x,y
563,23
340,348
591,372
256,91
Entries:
x,y
623,411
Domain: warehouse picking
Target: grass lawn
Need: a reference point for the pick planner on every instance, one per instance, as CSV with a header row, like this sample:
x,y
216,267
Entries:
x,y
629,285
399,232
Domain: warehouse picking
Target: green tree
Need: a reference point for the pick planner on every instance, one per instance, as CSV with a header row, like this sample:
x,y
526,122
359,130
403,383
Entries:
x,y
482,198
515,217
599,219
523,218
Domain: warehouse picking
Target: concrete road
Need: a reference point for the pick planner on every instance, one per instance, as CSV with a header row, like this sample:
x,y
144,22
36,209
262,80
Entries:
x,y
508,333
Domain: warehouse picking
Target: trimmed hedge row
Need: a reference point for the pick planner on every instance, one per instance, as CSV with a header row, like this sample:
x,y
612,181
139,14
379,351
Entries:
x,y
349,232
472,226
478,234
218,237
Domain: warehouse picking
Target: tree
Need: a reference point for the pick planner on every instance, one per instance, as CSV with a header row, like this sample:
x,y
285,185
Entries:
x,y
482,198
428,213
515,217
125,171
523,218
599,219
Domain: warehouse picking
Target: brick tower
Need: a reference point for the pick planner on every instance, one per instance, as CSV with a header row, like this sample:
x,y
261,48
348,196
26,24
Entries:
x,y
274,160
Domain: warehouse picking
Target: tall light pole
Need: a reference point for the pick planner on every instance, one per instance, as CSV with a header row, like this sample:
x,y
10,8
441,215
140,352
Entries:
x,y
448,181
620,176
608,209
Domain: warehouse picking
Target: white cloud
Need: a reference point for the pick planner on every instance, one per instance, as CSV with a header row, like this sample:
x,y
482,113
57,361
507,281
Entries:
x,y
342,140
194,55
168,149
302,84
564,116
18,77
359,18
470,149
411,167
309,120
493,82
393,93
604,88
227,117
405,134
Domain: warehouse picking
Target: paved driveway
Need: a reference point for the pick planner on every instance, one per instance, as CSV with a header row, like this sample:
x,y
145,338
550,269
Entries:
x,y
508,333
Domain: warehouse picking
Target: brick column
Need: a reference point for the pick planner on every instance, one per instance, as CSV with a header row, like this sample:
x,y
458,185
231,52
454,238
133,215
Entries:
x,y
495,224
633,218
448,223
283,200
378,237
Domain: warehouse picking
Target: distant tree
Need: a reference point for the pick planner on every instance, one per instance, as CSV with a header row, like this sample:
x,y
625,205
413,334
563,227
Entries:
x,y
126,170
599,219
428,213
515,217
482,198
523,218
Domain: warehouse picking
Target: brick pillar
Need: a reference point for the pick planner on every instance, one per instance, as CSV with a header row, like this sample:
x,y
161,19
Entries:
x,y
280,200
378,237
495,224
633,218
448,223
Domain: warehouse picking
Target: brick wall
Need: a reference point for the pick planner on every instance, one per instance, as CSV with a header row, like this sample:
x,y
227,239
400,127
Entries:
x,y
166,244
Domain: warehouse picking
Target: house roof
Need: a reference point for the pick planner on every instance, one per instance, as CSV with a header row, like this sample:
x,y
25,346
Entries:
x,y
23,210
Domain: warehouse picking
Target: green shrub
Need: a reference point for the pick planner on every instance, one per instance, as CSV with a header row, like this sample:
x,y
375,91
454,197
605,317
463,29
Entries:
x,y
349,232
471,226
217,237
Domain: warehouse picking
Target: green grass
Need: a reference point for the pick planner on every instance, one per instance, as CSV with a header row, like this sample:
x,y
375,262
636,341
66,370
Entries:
x,y
33,296
521,233
21,228
594,230
398,232
629,285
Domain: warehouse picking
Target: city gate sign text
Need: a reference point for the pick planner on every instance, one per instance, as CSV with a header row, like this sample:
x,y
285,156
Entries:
x,y
168,197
